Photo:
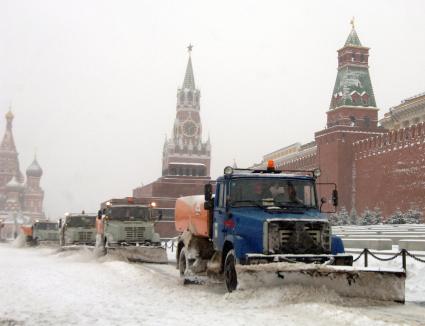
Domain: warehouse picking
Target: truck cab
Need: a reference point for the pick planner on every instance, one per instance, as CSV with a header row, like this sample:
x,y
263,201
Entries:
x,y
41,233
128,222
262,214
78,229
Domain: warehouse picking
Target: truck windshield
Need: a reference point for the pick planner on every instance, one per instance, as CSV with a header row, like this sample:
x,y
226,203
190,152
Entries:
x,y
81,221
281,192
45,226
129,213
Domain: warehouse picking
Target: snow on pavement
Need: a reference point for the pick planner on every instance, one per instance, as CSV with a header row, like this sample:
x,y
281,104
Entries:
x,y
41,287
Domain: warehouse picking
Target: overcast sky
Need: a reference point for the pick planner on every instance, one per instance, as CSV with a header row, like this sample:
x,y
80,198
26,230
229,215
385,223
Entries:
x,y
93,83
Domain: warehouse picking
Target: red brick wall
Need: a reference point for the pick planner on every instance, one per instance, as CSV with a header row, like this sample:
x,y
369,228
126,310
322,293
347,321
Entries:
x,y
335,158
342,116
308,162
390,171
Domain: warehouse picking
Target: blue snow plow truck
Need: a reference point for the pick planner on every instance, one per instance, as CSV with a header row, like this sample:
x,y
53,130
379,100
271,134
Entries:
x,y
265,227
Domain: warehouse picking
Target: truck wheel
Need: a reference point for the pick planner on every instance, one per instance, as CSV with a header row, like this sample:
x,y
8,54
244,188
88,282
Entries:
x,y
230,276
182,262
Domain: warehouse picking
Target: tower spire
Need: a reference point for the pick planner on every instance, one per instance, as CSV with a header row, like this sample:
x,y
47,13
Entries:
x,y
353,38
8,143
189,79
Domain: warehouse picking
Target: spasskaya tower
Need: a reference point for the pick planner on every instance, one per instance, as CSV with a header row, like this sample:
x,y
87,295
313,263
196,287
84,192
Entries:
x,y
185,154
186,157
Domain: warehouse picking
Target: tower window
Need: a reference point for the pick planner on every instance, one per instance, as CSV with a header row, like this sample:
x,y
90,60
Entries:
x,y
367,121
352,121
362,57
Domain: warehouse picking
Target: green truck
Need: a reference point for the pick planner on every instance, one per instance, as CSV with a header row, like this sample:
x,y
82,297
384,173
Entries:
x,y
77,230
41,233
126,227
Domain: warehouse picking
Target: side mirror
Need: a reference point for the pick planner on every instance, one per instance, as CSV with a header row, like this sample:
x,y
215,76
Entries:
x,y
335,197
208,192
60,223
99,214
207,205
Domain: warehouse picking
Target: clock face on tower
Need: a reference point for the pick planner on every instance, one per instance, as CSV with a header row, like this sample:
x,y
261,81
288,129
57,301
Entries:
x,y
189,128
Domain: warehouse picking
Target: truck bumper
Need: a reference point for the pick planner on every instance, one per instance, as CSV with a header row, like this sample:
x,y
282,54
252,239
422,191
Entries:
x,y
340,260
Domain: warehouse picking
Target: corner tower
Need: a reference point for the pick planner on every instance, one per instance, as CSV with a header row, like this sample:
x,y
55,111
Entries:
x,y
353,101
352,116
185,154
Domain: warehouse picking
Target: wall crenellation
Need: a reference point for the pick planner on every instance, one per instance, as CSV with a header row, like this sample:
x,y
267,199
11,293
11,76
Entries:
x,y
390,141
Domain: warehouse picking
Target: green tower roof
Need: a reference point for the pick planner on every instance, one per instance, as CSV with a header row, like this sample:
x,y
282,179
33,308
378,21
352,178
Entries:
x,y
353,39
353,87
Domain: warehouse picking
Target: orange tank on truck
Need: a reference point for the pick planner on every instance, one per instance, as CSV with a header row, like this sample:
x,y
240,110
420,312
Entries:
x,y
190,215
27,230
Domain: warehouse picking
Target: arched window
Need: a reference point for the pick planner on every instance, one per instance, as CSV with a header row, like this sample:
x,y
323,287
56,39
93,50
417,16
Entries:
x,y
352,121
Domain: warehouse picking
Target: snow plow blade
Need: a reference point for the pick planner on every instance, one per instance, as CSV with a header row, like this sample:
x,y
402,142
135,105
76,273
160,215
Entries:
x,y
76,248
145,254
347,281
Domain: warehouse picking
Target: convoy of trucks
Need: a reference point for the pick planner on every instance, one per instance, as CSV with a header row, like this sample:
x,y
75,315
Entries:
x,y
259,226
266,227
126,227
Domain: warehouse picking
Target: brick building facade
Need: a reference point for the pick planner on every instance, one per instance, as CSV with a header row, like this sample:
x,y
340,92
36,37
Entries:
x,y
186,157
21,200
372,166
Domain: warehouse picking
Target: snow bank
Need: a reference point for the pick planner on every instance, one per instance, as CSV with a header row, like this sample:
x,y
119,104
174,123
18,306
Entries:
x,y
44,287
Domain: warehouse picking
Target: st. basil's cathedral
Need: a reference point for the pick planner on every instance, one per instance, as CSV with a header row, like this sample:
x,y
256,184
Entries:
x,y
21,198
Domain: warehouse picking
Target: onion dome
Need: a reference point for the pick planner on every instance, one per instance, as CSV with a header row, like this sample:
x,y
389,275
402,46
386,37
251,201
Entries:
x,y
14,185
34,170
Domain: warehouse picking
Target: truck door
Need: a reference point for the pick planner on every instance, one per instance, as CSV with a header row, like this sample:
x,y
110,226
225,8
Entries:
x,y
219,216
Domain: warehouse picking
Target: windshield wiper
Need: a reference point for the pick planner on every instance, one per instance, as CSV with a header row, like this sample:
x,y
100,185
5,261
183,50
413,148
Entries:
x,y
254,202
294,205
